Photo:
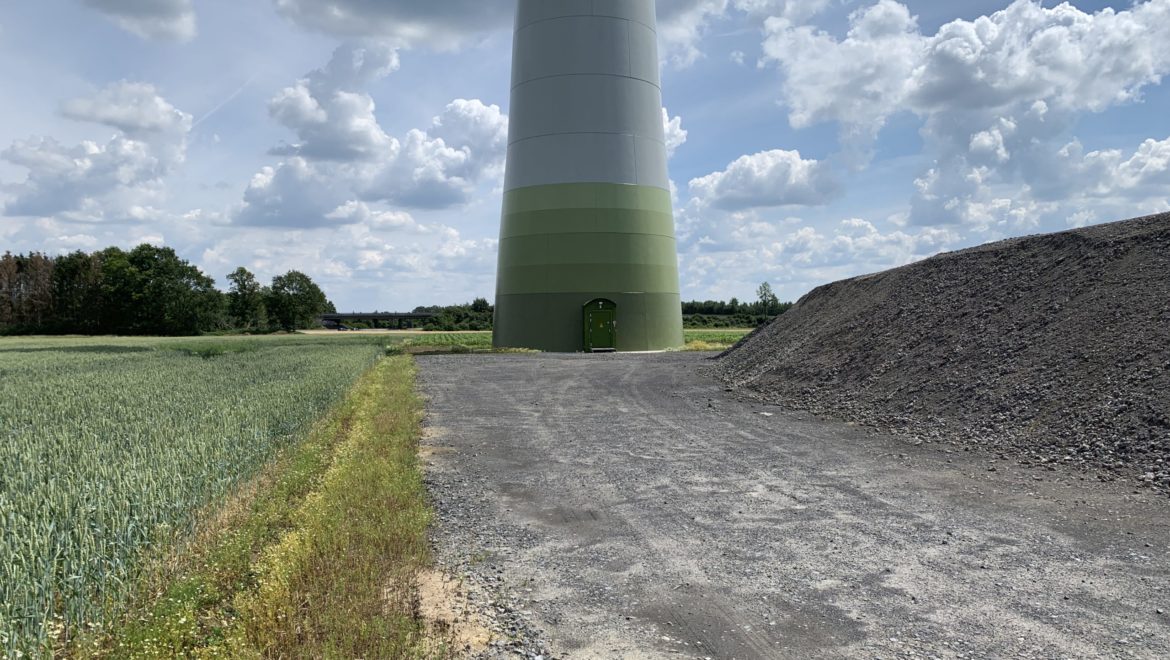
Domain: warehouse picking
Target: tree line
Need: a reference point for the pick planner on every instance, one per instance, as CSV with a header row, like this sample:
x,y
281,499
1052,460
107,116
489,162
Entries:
x,y
476,315
148,290
733,313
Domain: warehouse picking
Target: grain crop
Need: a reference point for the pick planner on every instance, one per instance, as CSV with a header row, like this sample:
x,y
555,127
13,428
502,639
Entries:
x,y
108,450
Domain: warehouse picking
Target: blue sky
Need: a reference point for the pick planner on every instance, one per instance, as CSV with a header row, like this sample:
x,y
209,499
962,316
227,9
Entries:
x,y
362,141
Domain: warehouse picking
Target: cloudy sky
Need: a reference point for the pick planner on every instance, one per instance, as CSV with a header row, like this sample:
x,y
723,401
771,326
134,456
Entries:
x,y
362,141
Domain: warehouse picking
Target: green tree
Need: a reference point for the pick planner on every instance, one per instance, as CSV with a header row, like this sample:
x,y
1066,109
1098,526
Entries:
x,y
246,309
119,288
8,290
175,298
294,301
151,291
77,293
768,299
26,292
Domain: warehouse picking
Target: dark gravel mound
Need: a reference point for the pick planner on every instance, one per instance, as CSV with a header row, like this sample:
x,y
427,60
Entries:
x,y
1050,348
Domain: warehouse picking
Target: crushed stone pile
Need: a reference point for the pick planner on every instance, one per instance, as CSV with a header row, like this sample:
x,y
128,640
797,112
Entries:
x,y
1052,348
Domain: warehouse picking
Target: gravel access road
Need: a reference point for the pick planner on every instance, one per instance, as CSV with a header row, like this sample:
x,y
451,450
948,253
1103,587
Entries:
x,y
627,506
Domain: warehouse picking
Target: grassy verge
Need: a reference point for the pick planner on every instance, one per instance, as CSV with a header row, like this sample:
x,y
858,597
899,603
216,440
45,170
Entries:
x,y
316,558
714,339
454,342
697,339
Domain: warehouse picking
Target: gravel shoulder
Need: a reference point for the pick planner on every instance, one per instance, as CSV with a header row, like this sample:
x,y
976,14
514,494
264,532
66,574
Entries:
x,y
628,506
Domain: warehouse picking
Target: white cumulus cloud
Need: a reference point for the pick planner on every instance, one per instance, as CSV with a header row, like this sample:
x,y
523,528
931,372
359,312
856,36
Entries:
x,y
292,194
676,135
341,148
682,24
441,166
355,212
329,110
136,109
858,81
765,179
998,95
118,179
407,23
743,249
478,129
1025,53
162,20
436,168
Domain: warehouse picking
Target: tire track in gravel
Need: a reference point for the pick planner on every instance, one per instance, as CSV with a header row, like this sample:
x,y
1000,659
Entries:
x,y
635,509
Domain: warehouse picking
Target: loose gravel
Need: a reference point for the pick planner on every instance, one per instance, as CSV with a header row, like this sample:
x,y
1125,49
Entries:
x,y
1051,349
628,506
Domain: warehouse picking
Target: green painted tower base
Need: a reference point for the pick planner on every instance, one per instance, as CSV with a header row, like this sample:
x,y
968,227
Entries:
x,y
565,245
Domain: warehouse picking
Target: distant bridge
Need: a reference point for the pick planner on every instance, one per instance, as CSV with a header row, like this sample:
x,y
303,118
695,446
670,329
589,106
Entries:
x,y
402,320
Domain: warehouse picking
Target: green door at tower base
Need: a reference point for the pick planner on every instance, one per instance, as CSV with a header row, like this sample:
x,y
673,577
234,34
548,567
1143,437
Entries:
x,y
600,321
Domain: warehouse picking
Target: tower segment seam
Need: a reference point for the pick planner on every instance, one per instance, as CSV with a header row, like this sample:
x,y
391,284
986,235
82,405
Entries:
x,y
561,18
623,133
575,75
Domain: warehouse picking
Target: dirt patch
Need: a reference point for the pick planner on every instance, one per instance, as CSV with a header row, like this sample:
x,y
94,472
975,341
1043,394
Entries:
x,y
1053,349
451,621
431,442
427,451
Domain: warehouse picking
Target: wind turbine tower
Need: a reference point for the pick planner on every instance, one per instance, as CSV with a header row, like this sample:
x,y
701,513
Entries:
x,y
587,257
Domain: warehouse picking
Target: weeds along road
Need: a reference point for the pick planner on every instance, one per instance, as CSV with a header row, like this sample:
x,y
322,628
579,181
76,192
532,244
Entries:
x,y
630,507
